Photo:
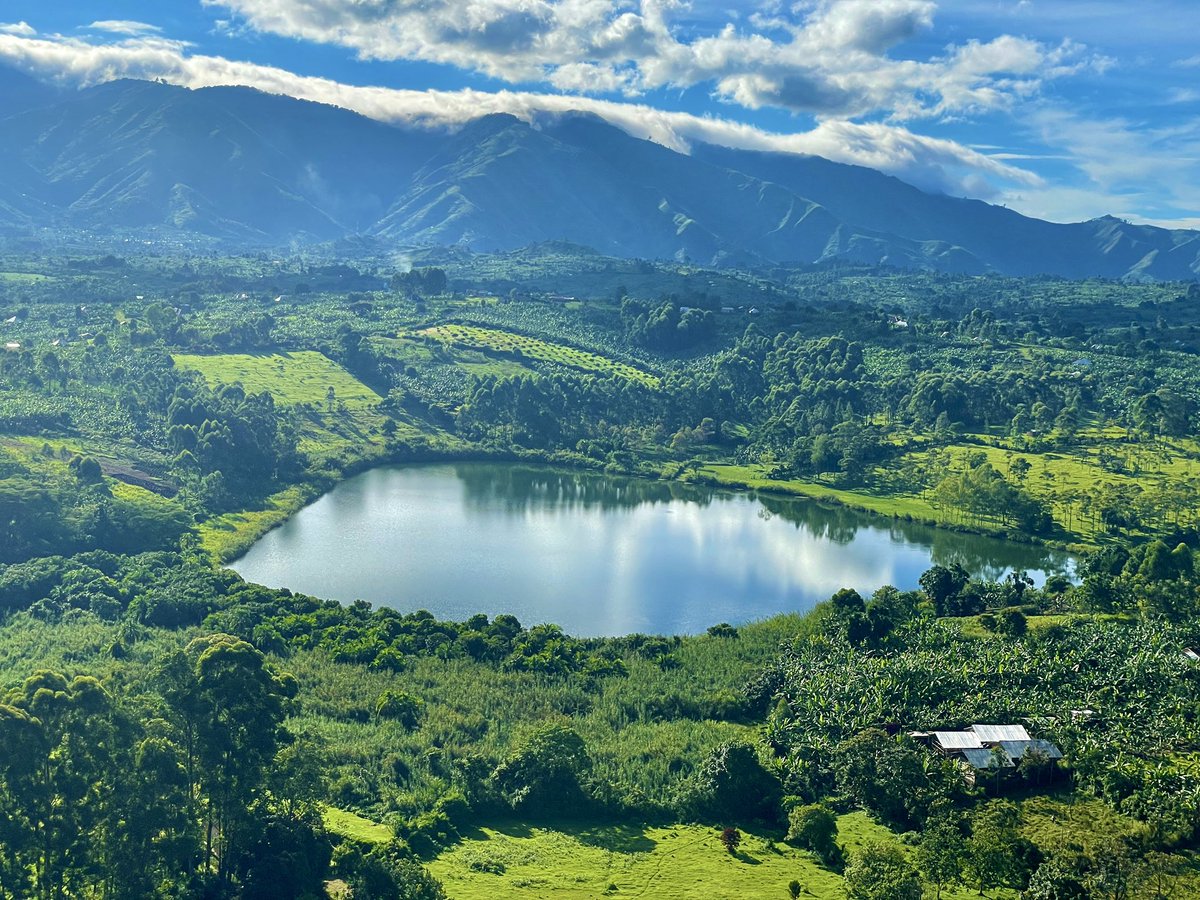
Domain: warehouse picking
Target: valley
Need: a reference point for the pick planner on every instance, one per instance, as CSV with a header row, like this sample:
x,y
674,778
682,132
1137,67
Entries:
x,y
160,417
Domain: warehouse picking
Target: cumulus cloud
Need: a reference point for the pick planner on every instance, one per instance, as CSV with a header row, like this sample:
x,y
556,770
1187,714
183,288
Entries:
x,y
824,57
21,29
931,163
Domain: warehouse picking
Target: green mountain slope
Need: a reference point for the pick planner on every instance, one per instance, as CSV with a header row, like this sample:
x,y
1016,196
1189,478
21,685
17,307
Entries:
x,y
243,165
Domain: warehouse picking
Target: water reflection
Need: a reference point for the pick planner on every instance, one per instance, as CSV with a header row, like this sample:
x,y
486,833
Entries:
x,y
598,554
521,488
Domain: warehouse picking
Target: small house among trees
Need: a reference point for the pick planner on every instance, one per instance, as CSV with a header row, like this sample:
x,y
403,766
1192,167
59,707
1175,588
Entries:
x,y
992,747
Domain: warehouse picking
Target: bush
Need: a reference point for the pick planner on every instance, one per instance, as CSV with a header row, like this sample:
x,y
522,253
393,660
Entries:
x,y
733,785
1012,622
545,775
814,827
398,706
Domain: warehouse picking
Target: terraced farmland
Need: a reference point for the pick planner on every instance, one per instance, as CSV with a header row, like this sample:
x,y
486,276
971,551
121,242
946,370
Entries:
x,y
493,340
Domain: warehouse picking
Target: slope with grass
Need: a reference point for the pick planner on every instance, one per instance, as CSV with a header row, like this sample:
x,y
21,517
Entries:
x,y
336,414
300,377
677,862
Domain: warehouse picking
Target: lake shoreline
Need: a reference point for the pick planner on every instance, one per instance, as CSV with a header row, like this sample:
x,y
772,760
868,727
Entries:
x,y
228,544
602,554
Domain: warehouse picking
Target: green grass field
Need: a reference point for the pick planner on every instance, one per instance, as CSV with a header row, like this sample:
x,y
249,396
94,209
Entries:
x,y
304,376
755,476
354,827
229,535
1063,479
412,351
493,340
301,381
670,863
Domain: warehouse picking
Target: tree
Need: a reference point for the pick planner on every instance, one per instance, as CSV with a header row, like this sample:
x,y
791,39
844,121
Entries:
x,y
730,839
850,615
732,784
881,872
59,740
794,889
996,853
228,707
942,584
288,856
881,774
939,855
1158,875
1058,878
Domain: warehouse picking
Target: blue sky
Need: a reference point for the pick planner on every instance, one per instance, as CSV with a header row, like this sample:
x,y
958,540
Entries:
x,y
1064,109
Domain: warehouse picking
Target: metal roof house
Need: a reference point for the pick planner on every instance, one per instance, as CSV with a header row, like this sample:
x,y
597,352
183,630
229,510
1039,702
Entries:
x,y
994,734
991,746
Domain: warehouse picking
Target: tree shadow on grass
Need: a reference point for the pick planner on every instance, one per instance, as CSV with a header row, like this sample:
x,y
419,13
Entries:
x,y
513,829
616,838
744,857
473,833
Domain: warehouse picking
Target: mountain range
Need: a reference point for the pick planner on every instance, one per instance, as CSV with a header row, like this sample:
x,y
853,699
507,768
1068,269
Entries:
x,y
258,169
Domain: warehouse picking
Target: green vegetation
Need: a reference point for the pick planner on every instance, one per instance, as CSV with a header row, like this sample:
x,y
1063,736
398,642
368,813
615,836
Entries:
x,y
515,860
143,440
354,827
293,379
521,347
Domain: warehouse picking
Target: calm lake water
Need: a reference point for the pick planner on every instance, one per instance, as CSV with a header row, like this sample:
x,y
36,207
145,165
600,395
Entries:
x,y
595,554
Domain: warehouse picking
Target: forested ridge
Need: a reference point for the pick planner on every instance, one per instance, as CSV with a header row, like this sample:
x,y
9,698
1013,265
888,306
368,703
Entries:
x,y
169,730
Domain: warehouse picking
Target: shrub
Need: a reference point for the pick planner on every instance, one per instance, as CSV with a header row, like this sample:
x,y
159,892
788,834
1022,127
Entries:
x,y
814,827
398,707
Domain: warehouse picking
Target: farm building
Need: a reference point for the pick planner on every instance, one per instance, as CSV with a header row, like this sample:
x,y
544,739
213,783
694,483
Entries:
x,y
991,746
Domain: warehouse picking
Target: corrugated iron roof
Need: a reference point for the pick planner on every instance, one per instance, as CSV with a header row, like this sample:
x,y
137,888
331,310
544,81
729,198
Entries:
x,y
994,734
957,740
1017,749
986,759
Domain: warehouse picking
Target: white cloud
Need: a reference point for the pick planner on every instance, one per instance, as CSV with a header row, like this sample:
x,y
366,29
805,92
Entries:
x,y
931,163
1132,170
123,26
21,29
826,57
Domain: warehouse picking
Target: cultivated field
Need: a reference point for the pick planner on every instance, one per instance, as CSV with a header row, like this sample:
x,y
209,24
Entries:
x,y
507,343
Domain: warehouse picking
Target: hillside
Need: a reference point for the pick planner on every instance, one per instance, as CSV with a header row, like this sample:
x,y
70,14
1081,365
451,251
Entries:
x,y
241,165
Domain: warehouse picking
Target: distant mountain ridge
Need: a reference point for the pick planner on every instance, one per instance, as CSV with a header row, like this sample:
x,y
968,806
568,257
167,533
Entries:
x,y
241,165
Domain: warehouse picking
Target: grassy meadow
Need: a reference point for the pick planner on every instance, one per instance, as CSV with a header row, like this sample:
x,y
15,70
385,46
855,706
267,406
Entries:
x,y
678,862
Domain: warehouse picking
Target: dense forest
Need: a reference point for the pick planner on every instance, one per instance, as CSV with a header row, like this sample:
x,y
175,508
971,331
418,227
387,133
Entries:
x,y
170,730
